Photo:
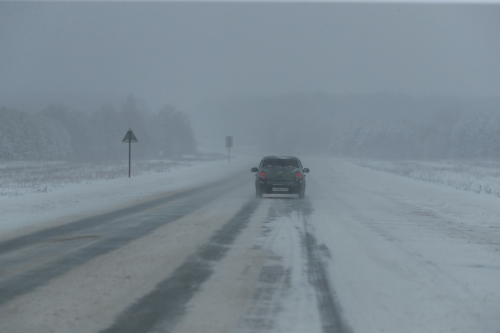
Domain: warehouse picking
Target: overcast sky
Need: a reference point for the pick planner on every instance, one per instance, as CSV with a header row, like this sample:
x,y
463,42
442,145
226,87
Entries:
x,y
182,53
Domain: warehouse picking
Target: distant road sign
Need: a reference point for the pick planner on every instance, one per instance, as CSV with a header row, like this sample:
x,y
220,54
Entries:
x,y
229,145
229,141
130,137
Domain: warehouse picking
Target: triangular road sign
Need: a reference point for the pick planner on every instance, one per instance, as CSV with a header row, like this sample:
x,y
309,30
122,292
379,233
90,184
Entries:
x,y
130,137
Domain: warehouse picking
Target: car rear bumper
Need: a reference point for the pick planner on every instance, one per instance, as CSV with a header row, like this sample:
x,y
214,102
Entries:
x,y
281,188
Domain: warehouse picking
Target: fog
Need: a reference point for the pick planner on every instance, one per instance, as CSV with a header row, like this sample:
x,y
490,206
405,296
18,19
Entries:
x,y
386,80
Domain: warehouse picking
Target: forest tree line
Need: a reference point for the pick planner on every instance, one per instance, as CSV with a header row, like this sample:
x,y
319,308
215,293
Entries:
x,y
378,126
371,126
57,132
448,134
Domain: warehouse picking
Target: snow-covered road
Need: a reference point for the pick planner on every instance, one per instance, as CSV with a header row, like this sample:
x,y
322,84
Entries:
x,y
408,256
365,251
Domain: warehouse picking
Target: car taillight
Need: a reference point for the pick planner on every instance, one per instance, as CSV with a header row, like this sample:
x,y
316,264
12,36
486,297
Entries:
x,y
262,175
299,176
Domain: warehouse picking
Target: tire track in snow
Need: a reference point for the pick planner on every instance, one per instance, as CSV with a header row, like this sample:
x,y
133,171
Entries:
x,y
273,284
114,233
330,313
274,281
328,307
163,307
49,234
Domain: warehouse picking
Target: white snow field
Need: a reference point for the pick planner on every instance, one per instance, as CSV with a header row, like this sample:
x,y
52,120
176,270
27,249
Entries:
x,y
399,255
469,175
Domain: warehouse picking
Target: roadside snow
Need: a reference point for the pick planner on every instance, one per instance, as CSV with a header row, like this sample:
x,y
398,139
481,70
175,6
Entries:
x,y
469,175
21,214
408,256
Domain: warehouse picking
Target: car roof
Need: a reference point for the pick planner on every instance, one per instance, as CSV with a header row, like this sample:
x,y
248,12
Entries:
x,y
280,157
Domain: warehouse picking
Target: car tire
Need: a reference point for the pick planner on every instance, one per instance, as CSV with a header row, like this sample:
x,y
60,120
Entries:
x,y
258,193
301,195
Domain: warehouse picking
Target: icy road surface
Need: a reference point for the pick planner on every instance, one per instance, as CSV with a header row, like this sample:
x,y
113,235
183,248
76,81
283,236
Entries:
x,y
363,252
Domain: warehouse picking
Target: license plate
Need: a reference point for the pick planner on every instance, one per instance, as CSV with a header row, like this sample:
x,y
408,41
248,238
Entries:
x,y
280,189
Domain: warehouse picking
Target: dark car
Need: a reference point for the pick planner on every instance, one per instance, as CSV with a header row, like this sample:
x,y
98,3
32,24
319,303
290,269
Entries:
x,y
280,175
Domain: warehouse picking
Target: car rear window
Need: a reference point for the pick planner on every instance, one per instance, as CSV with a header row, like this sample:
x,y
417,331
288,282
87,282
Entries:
x,y
280,162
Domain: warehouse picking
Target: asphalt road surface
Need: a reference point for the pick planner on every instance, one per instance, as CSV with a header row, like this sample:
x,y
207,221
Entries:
x,y
350,257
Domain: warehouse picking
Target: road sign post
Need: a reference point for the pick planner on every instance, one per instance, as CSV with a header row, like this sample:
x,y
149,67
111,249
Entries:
x,y
129,137
229,145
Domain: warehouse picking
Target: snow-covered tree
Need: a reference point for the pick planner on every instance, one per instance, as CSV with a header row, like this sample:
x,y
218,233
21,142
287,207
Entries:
x,y
26,136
